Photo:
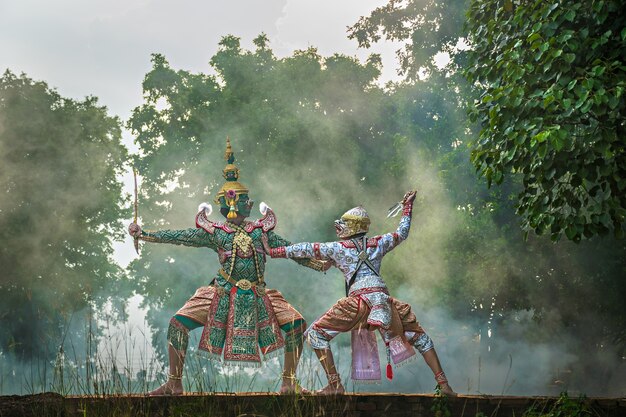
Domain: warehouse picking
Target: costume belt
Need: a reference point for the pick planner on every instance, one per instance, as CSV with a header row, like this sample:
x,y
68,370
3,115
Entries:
x,y
368,290
244,284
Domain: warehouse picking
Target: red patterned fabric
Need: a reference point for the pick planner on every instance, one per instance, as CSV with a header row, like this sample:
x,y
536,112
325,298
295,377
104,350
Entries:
x,y
349,312
202,222
316,251
285,312
279,252
267,222
197,307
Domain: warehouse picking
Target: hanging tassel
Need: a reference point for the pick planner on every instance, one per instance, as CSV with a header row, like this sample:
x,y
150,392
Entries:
x,y
232,213
389,368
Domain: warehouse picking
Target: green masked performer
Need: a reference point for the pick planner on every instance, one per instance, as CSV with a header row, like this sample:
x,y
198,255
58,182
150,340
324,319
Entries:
x,y
368,306
241,318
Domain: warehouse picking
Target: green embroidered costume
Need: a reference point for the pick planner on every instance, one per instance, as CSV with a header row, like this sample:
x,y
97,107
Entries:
x,y
242,319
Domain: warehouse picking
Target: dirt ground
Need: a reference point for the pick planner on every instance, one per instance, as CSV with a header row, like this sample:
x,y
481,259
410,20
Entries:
x,y
273,405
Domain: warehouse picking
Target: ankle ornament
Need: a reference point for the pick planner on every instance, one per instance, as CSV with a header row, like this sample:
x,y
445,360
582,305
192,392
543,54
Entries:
x,y
174,377
440,377
334,379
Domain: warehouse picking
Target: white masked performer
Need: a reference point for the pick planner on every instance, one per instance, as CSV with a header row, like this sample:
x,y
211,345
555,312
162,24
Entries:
x,y
368,306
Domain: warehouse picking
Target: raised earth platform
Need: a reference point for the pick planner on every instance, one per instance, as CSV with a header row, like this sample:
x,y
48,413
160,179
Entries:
x,y
273,405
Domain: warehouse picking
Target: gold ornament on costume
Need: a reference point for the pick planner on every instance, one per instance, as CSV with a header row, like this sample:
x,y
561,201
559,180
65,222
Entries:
x,y
244,284
243,242
232,188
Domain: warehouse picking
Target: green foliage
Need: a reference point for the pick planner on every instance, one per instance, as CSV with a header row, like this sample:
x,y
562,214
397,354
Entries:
x,y
551,77
314,145
440,407
563,407
288,119
429,27
61,205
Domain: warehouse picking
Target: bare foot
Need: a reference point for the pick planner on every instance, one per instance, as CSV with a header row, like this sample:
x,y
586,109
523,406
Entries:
x,y
331,389
292,388
446,390
171,387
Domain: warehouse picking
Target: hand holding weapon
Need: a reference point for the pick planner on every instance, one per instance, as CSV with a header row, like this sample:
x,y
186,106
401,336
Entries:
x,y
409,197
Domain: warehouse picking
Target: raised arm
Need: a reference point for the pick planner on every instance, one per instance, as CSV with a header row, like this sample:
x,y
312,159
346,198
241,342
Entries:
x,y
195,237
278,245
389,241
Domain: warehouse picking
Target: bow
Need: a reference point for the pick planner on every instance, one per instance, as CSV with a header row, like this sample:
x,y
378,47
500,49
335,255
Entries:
x,y
136,239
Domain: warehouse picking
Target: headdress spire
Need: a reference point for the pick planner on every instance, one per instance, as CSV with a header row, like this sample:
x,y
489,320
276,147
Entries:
x,y
229,194
228,155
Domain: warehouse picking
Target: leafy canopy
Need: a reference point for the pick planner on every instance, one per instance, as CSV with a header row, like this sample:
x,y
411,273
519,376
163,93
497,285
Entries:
x,y
550,78
429,27
290,120
61,204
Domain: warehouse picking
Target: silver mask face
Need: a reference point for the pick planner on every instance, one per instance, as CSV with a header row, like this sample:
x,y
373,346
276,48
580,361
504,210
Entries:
x,y
341,228
353,222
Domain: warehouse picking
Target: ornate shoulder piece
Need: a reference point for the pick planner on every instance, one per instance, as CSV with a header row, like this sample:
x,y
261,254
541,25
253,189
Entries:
x,y
224,227
267,222
203,222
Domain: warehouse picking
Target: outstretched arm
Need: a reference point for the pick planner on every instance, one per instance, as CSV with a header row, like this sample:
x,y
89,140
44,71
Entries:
x,y
389,241
278,245
195,237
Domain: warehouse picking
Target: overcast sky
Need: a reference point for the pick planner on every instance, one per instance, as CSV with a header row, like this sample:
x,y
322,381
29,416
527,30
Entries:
x,y
102,48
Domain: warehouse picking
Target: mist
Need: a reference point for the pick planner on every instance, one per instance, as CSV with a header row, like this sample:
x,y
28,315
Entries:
x,y
313,137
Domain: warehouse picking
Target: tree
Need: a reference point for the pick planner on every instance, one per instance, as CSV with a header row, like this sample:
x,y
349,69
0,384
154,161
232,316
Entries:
x,y
489,265
61,205
289,119
487,262
550,77
314,136
429,28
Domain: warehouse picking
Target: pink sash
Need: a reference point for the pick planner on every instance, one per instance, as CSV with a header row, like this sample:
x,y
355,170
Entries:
x,y
365,360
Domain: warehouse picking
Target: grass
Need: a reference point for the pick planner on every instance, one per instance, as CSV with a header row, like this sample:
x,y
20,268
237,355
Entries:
x,y
116,365
113,367
565,406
